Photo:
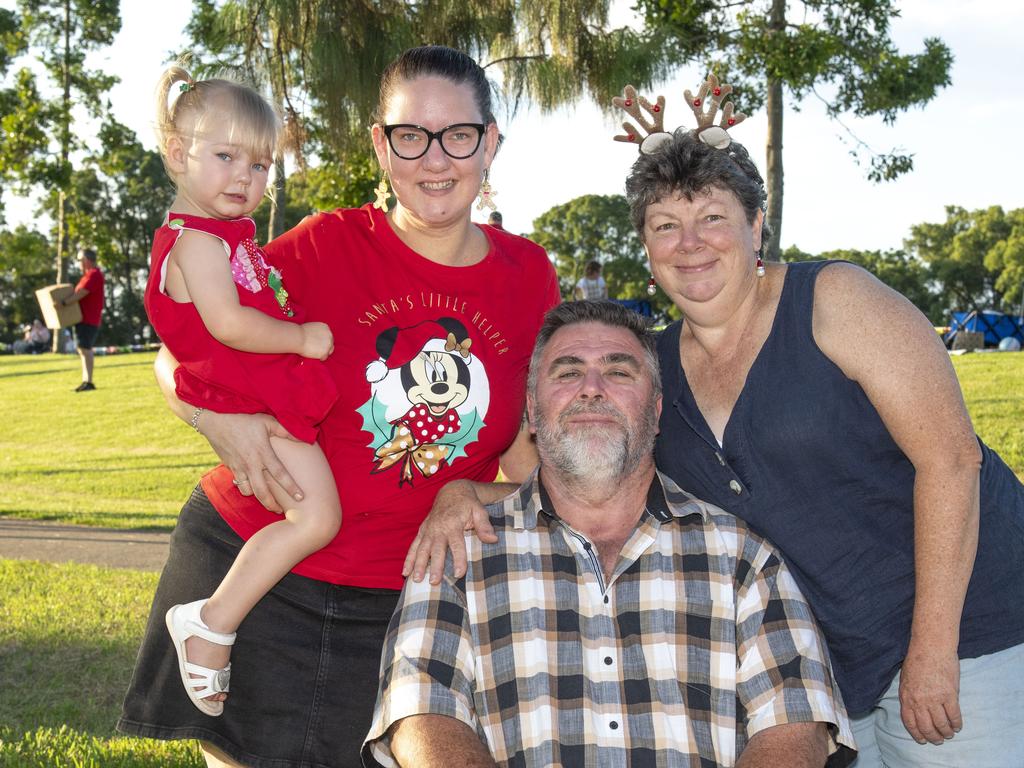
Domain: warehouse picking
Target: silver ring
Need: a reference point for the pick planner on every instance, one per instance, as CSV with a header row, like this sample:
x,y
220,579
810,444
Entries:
x,y
236,482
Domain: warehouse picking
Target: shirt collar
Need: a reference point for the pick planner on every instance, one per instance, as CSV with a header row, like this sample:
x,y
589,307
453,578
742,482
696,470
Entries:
x,y
665,501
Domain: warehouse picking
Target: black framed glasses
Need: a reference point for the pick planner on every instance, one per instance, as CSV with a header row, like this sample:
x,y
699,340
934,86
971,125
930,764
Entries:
x,y
411,142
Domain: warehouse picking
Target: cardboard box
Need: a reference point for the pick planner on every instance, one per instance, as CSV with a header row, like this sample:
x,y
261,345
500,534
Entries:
x,y
54,315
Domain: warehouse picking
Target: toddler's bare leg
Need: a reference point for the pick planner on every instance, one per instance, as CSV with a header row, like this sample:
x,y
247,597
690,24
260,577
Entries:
x,y
215,758
307,526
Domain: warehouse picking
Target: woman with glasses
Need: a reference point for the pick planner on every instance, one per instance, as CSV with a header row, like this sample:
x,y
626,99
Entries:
x,y
430,359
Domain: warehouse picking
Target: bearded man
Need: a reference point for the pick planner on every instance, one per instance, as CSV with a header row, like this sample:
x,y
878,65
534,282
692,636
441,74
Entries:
x,y
612,619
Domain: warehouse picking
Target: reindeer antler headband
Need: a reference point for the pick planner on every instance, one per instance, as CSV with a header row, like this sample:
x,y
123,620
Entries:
x,y
704,109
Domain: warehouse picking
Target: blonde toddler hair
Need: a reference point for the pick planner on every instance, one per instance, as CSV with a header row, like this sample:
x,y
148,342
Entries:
x,y
187,108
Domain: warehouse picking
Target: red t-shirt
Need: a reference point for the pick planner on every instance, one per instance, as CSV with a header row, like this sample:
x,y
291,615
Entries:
x,y
91,305
430,363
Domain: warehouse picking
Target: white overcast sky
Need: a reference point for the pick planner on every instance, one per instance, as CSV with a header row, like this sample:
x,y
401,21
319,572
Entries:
x,y
963,142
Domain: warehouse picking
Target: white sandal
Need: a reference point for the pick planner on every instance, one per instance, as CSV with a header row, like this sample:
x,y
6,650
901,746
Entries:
x,y
183,622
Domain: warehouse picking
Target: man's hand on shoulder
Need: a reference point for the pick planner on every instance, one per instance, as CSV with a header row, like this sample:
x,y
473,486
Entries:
x,y
458,507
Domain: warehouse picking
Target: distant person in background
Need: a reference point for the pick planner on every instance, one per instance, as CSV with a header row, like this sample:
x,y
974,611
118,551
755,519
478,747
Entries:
x,y
89,295
591,285
495,220
38,336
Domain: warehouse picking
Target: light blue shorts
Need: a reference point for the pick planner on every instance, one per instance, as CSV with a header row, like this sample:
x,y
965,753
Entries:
x,y
992,705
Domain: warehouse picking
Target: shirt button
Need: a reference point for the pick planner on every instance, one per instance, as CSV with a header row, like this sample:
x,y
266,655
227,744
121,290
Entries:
x,y
608,660
736,487
606,599
613,725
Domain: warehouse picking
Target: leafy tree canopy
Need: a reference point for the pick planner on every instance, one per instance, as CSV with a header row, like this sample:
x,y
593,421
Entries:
x,y
326,56
977,256
27,264
896,268
598,228
807,44
37,142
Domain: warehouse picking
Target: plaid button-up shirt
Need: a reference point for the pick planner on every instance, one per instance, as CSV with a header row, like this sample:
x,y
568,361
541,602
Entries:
x,y
699,640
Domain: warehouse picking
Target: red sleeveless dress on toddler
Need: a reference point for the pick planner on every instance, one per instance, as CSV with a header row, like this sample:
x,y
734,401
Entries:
x,y
297,391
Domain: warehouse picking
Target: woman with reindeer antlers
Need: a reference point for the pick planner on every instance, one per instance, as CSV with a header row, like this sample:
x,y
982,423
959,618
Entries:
x,y
818,404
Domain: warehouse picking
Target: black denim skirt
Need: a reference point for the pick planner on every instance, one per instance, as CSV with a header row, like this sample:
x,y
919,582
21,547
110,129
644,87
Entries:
x,y
304,669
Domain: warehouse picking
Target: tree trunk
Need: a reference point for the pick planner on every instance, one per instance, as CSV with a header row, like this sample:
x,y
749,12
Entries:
x,y
773,251
65,143
274,66
276,225
65,152
57,343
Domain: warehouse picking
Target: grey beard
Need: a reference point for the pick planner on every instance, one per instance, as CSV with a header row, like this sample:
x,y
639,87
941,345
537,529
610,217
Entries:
x,y
599,455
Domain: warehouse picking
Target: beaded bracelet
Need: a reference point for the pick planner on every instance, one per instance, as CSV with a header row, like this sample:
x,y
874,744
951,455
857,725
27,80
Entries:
x,y
194,421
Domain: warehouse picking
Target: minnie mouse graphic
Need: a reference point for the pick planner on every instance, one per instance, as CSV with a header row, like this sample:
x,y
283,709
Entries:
x,y
428,397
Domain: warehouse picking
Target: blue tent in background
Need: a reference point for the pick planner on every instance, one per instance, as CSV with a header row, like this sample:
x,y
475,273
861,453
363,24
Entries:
x,y
640,306
995,325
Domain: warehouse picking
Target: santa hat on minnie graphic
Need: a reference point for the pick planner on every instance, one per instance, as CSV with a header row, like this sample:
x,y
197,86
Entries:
x,y
398,346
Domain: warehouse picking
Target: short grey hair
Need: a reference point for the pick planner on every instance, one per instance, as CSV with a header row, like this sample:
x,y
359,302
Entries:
x,y
598,311
687,166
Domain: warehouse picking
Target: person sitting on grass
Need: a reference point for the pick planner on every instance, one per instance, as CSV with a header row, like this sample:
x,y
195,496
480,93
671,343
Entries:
x,y
38,337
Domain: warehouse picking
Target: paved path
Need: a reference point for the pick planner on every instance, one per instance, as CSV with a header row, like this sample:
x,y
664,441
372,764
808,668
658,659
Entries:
x,y
60,543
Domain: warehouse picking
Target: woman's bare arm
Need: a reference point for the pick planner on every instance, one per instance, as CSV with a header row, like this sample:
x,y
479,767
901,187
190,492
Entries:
x,y
880,340
242,441
520,458
458,507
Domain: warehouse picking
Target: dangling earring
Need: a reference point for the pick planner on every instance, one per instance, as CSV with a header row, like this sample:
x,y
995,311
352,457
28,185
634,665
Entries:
x,y
487,194
382,193
652,287
760,266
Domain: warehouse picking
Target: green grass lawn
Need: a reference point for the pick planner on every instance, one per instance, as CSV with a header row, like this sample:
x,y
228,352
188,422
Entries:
x,y
993,386
114,457
69,633
68,638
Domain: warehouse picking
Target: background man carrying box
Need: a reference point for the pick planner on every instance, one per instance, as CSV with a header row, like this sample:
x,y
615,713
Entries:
x,y
89,296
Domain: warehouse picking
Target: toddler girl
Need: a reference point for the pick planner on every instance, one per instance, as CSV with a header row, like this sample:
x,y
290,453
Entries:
x,y
241,345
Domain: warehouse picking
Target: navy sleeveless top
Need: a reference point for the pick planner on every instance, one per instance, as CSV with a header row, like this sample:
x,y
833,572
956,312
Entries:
x,y
808,463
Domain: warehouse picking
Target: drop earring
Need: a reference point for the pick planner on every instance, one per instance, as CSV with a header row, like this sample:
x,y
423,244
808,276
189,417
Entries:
x,y
760,266
652,287
487,193
383,193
